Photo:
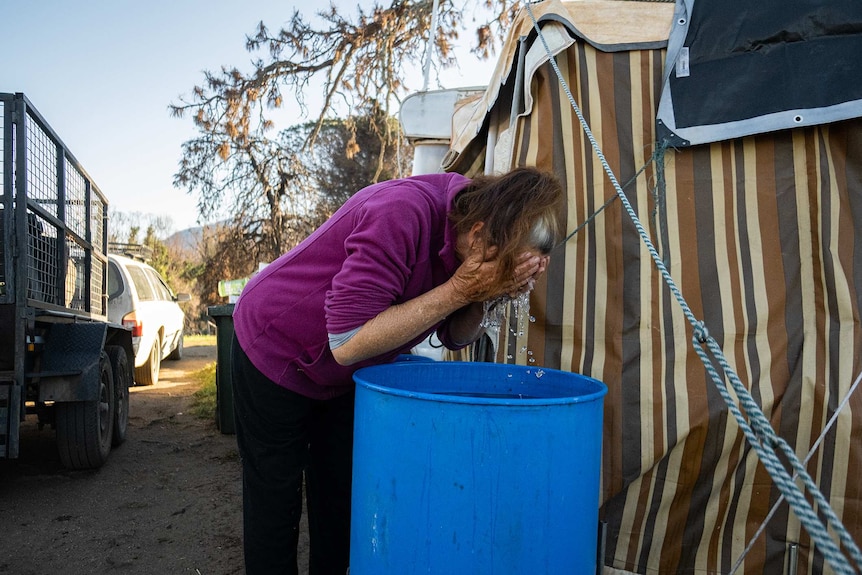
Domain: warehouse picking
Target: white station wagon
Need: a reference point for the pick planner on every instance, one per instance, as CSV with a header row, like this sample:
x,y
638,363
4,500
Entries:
x,y
139,299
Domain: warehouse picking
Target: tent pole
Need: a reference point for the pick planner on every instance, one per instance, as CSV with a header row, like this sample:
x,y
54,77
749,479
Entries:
x,y
432,33
792,560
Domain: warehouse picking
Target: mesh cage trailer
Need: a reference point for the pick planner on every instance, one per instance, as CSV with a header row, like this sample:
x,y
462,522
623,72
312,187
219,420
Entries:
x,y
61,361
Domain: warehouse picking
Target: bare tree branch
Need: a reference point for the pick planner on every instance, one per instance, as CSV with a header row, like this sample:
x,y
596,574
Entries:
x,y
274,183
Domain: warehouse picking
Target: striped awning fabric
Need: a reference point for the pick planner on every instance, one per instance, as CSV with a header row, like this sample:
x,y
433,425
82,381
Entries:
x,y
762,235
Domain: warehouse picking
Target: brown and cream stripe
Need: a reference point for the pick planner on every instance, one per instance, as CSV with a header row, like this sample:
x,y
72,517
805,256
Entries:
x,y
763,235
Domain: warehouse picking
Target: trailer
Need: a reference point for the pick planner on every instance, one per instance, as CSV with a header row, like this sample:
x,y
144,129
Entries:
x,y
61,360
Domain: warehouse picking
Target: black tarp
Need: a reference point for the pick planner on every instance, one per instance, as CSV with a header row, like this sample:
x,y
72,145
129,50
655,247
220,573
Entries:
x,y
737,67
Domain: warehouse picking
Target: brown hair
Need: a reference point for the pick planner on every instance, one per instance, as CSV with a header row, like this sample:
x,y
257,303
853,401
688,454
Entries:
x,y
519,209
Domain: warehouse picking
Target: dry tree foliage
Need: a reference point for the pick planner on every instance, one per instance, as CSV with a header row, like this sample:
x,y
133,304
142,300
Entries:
x,y
360,59
274,185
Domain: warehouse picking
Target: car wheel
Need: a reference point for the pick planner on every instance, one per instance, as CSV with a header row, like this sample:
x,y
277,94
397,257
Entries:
x,y
122,382
148,374
177,353
85,428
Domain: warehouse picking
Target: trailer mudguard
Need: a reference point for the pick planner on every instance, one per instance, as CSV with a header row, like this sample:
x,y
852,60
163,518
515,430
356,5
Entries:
x,y
70,366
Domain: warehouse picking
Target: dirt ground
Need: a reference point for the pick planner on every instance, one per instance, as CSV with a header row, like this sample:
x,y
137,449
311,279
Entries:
x,y
168,501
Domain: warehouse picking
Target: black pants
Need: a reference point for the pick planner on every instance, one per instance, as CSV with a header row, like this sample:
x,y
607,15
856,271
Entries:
x,y
282,434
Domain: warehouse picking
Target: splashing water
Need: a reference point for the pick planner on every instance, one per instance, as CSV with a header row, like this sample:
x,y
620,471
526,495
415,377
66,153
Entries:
x,y
495,315
495,311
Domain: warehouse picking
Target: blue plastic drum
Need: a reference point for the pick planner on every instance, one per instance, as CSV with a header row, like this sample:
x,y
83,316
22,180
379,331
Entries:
x,y
475,468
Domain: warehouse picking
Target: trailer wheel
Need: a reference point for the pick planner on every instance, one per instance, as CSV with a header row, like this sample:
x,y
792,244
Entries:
x,y
122,381
85,428
148,374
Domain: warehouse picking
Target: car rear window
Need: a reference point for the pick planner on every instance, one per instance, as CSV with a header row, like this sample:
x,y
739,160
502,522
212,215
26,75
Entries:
x,y
142,286
162,290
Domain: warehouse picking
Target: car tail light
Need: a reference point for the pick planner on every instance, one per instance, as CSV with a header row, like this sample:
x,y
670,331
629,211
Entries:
x,y
130,320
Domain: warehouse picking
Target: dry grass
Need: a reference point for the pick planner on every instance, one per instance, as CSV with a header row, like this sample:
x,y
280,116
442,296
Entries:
x,y
204,405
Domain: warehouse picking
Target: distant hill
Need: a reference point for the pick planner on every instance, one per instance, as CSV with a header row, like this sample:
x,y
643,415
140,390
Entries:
x,y
186,240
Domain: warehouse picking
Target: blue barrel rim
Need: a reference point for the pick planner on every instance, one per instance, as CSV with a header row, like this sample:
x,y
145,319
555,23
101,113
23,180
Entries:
x,y
442,397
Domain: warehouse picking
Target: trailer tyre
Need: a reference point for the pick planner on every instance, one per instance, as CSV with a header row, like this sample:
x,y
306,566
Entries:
x,y
122,380
148,374
85,428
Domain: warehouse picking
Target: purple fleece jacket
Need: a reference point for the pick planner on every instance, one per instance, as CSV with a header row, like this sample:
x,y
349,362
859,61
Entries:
x,y
389,243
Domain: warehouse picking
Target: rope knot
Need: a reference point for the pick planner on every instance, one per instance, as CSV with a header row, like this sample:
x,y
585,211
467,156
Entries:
x,y
701,333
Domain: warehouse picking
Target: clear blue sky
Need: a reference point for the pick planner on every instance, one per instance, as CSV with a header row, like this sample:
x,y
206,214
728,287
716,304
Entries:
x,y
103,72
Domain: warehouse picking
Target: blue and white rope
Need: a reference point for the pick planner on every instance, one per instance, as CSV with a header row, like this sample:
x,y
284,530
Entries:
x,y
759,434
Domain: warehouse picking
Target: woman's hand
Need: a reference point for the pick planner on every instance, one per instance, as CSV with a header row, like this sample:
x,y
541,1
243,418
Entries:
x,y
529,268
479,278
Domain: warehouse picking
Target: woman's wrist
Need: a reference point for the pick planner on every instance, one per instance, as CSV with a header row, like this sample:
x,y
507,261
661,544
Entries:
x,y
465,324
